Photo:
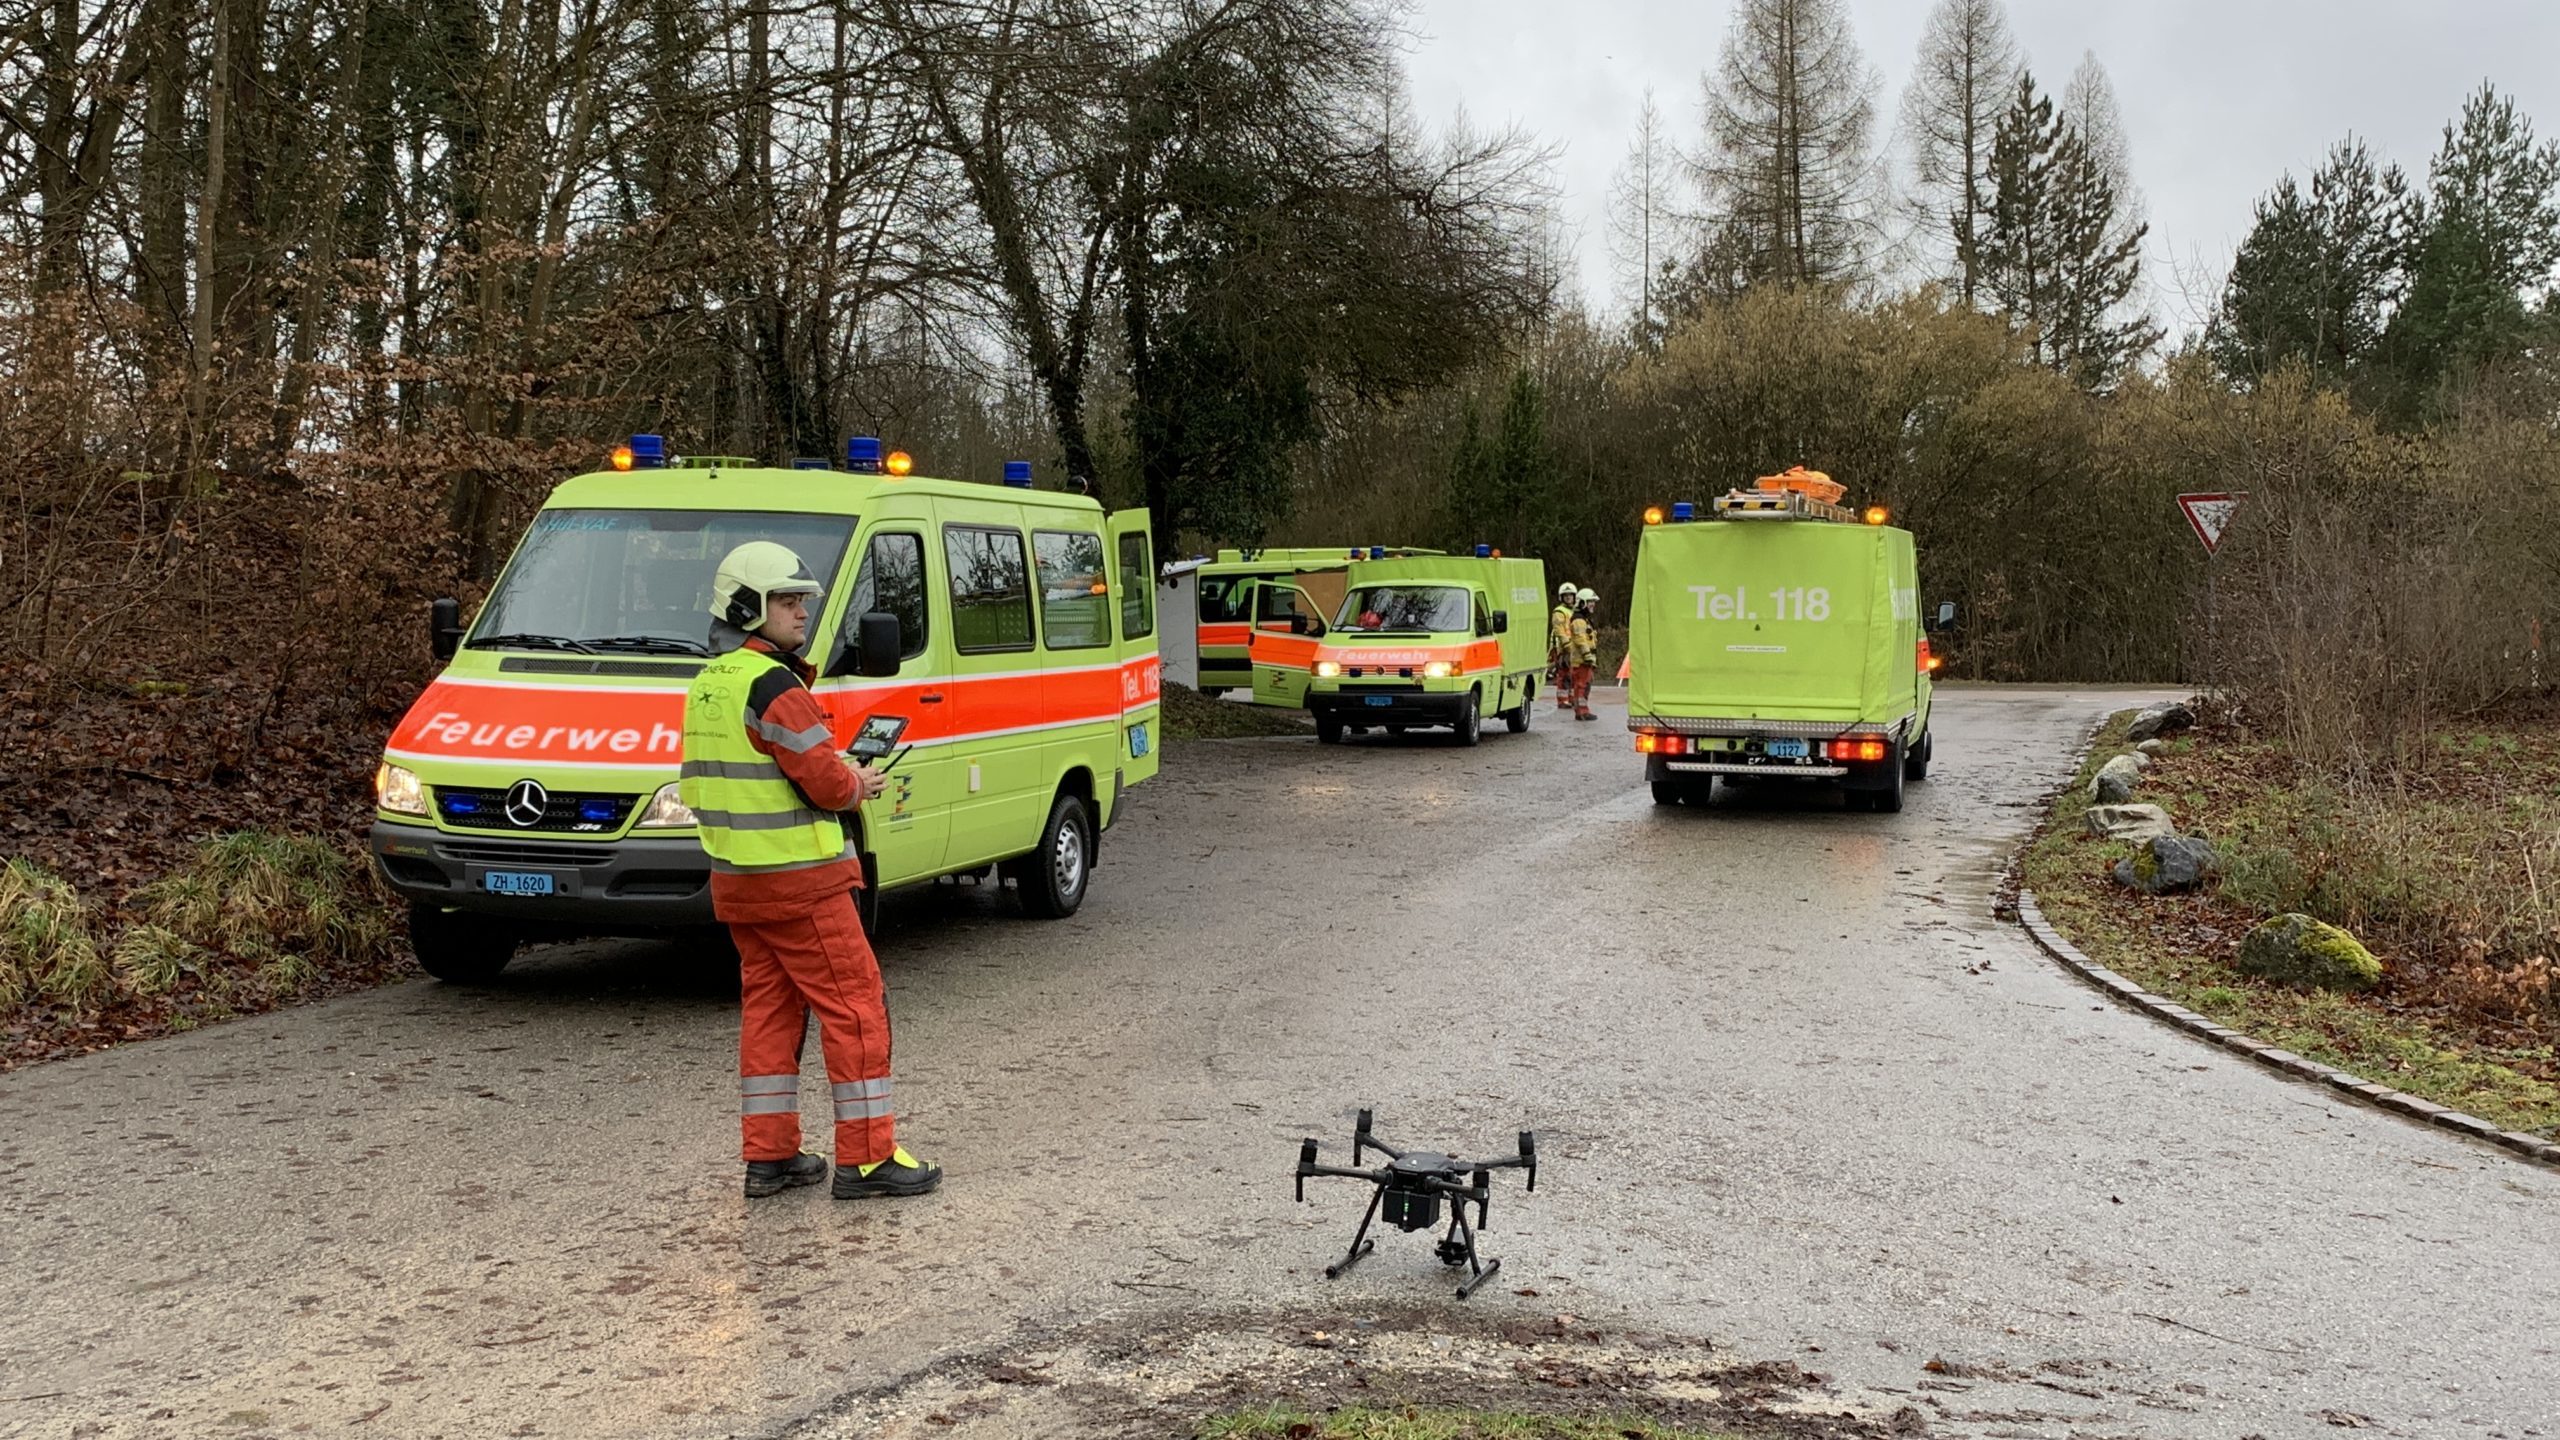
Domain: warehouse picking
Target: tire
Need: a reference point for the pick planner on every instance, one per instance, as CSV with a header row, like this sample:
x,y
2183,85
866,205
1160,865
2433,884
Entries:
x,y
1328,730
866,900
1518,719
460,948
1052,879
1470,726
1666,792
1915,766
1888,801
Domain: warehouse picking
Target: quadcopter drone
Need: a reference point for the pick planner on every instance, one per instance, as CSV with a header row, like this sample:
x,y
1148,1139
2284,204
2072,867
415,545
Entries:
x,y
1410,1188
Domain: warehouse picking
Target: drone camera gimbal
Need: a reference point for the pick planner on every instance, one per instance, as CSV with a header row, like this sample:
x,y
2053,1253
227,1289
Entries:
x,y
1410,1189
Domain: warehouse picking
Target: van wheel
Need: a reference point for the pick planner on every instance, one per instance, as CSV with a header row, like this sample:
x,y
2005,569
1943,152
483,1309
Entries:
x,y
1888,801
1051,880
1666,792
866,899
1470,725
1517,719
1328,730
460,948
1915,766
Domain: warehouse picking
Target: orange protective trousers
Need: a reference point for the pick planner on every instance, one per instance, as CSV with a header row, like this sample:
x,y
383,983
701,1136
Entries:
x,y
820,961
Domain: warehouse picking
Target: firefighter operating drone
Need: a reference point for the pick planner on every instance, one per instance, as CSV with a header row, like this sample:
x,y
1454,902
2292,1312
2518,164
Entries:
x,y
1411,1186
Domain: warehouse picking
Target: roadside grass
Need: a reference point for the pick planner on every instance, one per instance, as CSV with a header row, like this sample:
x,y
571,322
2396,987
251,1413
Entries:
x,y
2445,872
1280,1422
48,941
1190,715
249,921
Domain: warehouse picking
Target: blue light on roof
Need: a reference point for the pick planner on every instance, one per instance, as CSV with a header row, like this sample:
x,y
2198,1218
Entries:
x,y
1483,550
1683,510
1017,473
862,454
648,452
1377,552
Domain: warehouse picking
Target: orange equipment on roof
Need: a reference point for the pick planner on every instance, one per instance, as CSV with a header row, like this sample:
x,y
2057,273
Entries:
x,y
1812,484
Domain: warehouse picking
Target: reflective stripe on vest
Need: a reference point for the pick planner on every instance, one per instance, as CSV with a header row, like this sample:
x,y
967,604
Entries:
x,y
750,816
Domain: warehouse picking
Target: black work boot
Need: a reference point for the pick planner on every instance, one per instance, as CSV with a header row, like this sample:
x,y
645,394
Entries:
x,y
767,1177
900,1174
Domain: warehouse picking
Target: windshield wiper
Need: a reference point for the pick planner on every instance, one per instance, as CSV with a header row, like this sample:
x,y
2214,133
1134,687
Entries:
x,y
652,644
527,641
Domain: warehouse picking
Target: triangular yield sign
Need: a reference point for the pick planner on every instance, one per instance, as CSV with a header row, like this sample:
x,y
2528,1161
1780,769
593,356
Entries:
x,y
2210,515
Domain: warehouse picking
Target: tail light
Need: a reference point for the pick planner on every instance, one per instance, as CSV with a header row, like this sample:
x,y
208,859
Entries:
x,y
1654,742
1860,747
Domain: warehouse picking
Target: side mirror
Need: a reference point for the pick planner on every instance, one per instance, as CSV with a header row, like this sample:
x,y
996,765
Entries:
x,y
1946,618
444,627
1501,622
877,643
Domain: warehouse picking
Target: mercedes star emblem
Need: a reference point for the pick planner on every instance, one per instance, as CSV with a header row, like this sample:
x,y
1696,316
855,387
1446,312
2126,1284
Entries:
x,y
526,800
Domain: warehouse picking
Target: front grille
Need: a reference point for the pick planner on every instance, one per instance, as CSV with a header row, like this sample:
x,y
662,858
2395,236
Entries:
x,y
548,665
564,812
493,853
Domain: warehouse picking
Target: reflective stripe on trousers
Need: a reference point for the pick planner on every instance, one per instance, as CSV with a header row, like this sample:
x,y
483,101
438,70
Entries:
x,y
863,1099
768,1094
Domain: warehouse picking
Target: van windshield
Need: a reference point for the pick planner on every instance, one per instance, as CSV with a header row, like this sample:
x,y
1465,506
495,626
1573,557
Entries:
x,y
635,580
1424,609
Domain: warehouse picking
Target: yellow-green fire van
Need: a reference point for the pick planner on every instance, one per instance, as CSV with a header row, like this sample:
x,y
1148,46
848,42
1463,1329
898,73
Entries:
x,y
1778,636
1416,641
531,790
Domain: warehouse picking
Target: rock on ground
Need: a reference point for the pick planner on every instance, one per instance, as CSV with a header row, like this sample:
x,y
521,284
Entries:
x,y
2166,863
2128,822
2298,950
2115,781
2157,720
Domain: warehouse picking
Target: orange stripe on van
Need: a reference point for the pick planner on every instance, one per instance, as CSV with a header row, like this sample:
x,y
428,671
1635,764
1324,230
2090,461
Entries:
x,y
617,725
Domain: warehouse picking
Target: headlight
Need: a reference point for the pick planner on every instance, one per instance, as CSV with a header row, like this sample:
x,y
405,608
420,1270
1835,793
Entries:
x,y
1438,670
666,810
1327,669
397,792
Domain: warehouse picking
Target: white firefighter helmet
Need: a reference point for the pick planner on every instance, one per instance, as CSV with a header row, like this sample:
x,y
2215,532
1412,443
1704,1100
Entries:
x,y
1564,591
1588,596
751,575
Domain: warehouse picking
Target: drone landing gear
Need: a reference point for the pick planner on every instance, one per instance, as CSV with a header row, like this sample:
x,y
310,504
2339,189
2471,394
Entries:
x,y
1411,1188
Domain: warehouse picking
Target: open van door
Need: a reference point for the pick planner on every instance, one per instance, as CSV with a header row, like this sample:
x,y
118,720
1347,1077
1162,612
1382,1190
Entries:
x,y
1133,587
1283,650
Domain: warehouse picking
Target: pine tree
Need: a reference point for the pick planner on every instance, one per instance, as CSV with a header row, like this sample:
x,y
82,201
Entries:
x,y
1967,67
2488,241
1787,158
2318,272
1644,226
2050,250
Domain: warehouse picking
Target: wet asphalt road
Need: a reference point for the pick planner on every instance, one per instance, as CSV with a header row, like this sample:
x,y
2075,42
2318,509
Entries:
x,y
1795,1089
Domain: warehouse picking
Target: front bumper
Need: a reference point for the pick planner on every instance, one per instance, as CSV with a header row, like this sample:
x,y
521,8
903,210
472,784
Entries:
x,y
638,884
1402,707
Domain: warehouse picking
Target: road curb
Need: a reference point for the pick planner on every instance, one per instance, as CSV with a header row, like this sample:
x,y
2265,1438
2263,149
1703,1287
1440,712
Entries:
x,y
2283,1062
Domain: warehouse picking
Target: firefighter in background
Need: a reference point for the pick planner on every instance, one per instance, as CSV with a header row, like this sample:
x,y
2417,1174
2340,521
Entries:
x,y
1582,650
767,785
1559,639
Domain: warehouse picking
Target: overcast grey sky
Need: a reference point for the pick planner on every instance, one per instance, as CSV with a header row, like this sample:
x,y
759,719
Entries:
x,y
2220,97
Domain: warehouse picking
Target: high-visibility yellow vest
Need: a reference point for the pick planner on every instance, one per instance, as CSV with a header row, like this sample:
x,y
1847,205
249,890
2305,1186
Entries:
x,y
752,818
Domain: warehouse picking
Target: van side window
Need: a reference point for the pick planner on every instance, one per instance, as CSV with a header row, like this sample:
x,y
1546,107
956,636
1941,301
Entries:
x,y
892,581
1075,599
1137,587
990,589
1484,617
